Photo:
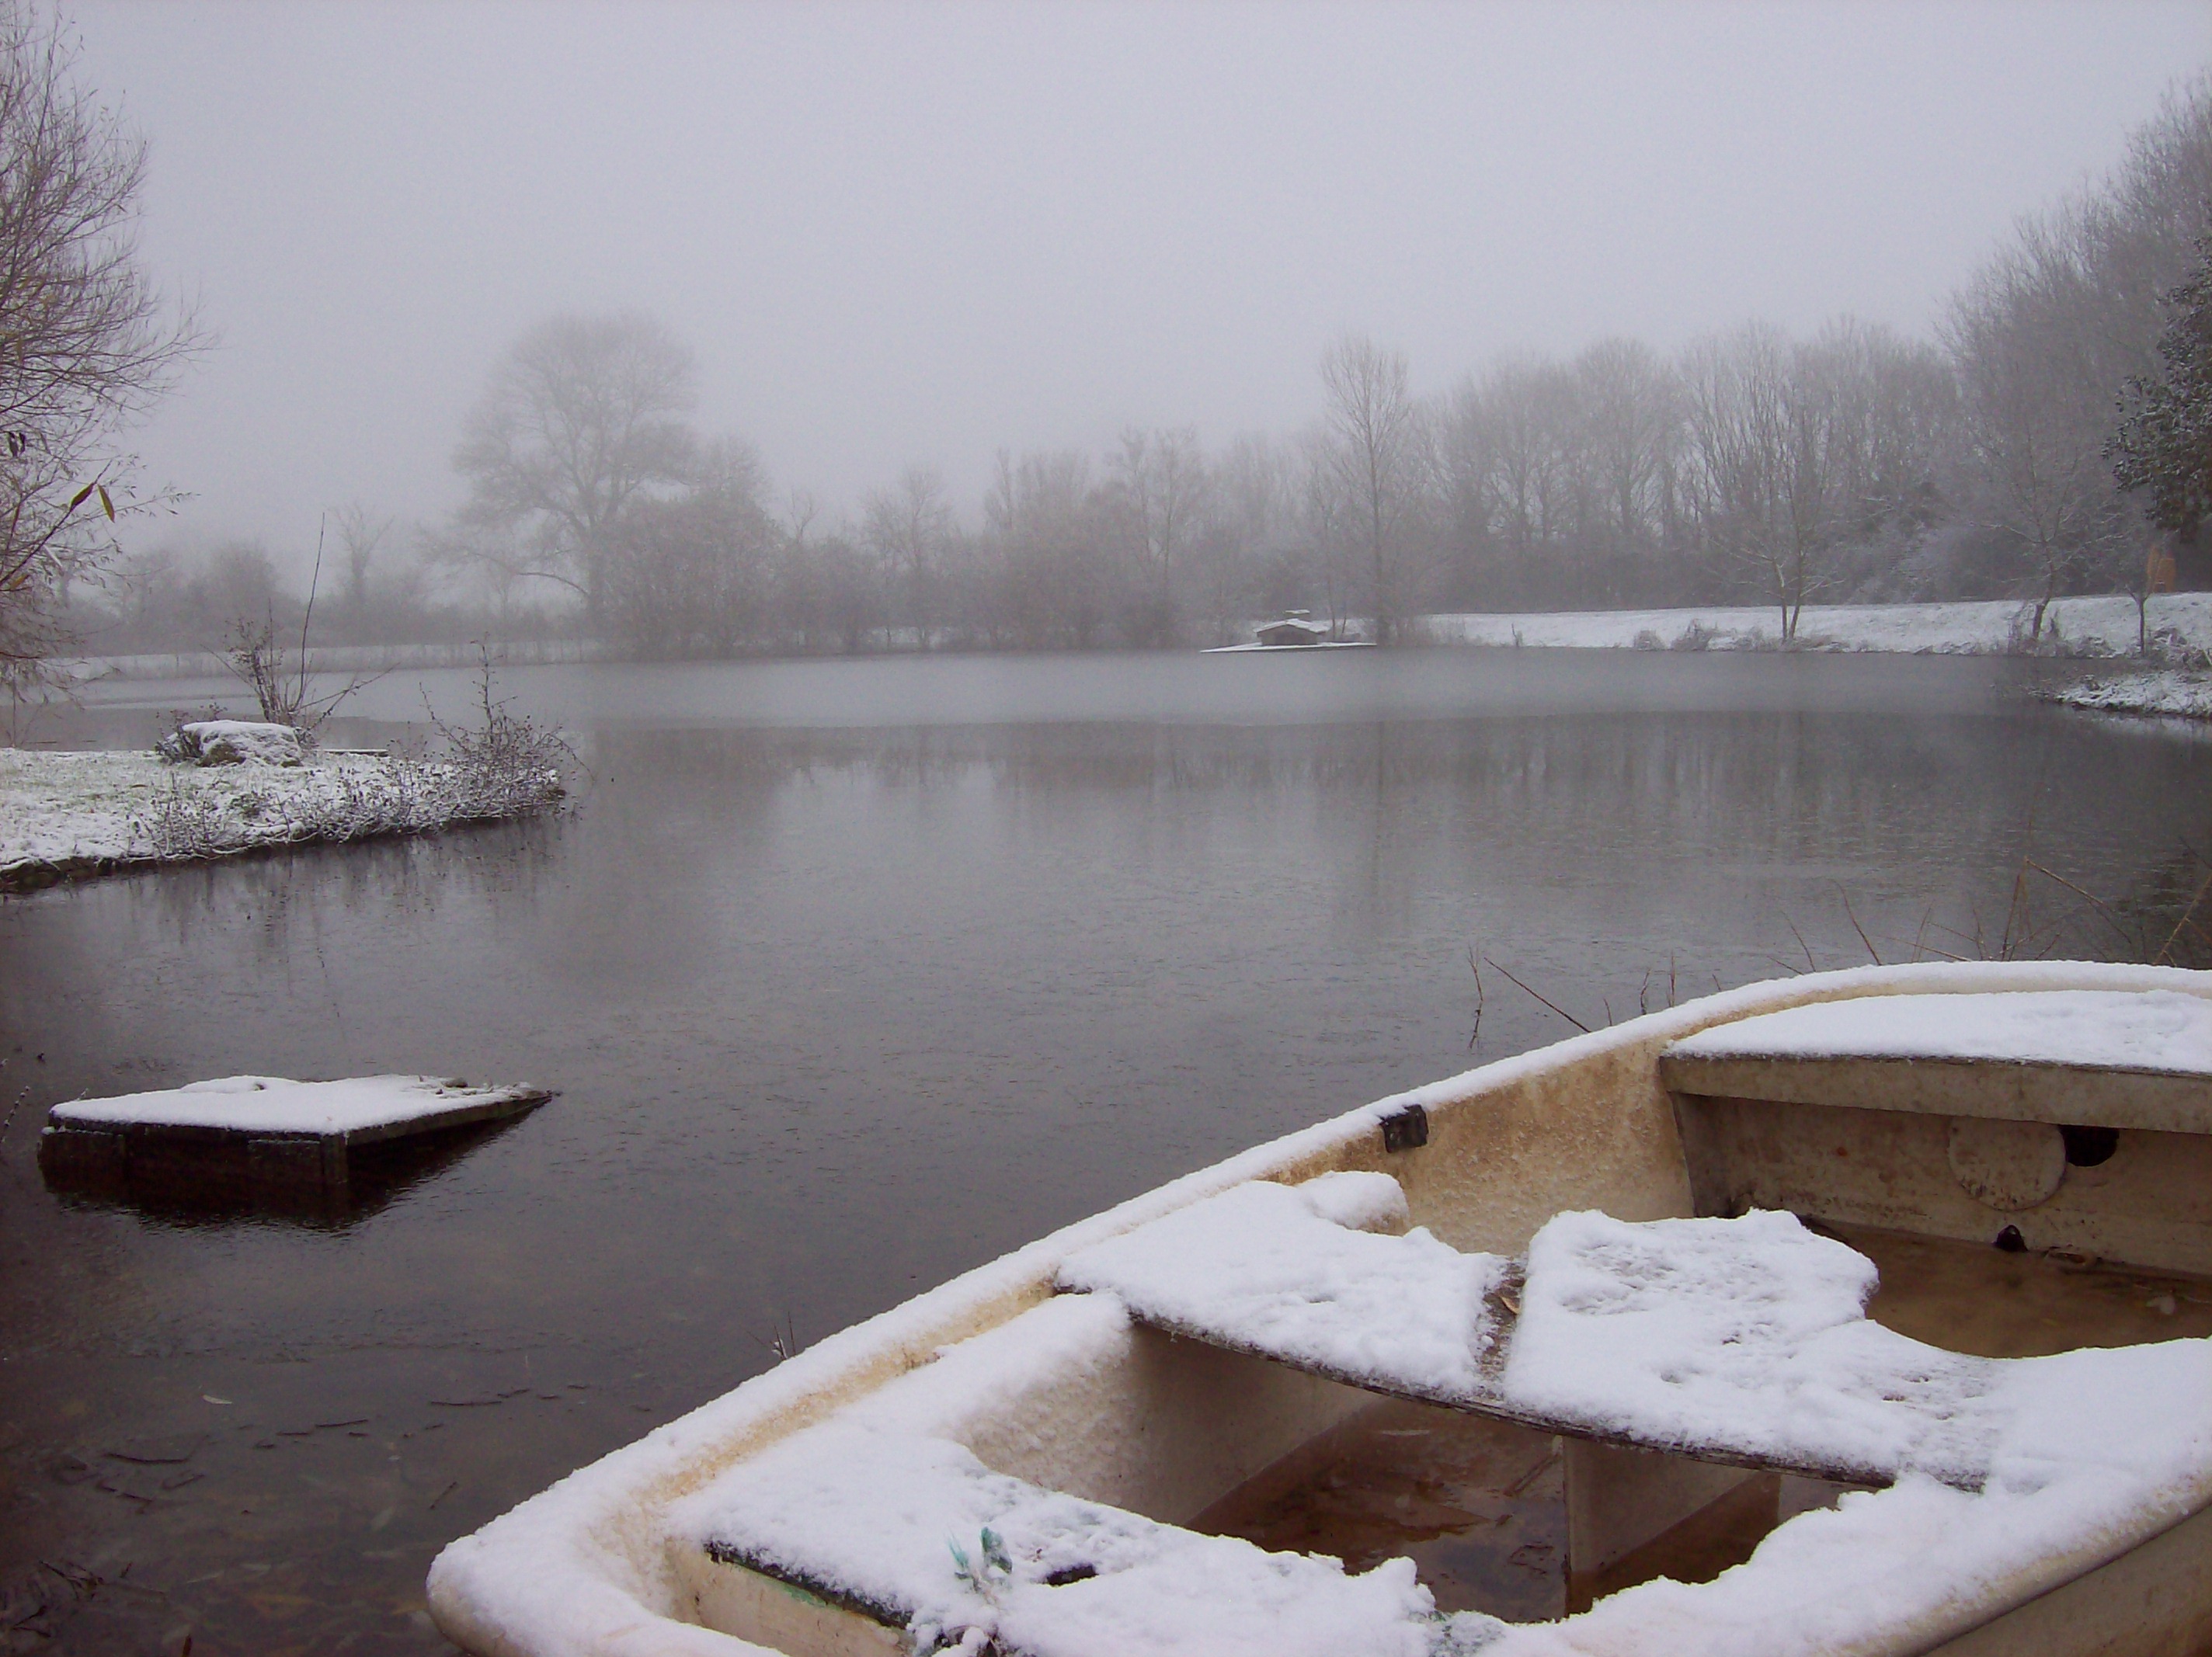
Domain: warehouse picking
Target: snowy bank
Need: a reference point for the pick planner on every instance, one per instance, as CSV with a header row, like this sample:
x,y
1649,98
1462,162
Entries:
x,y
2159,692
2105,625
65,815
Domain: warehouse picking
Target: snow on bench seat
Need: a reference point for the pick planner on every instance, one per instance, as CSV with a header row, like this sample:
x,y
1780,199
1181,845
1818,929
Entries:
x,y
881,1511
1740,1341
2122,1058
1301,1274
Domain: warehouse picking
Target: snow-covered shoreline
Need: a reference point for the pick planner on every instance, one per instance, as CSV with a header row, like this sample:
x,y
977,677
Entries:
x,y
70,814
2155,693
2102,626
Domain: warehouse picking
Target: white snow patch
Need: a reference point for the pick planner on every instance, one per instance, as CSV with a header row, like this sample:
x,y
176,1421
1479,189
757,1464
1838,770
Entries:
x,y
2098,1449
2161,1032
2106,624
273,1104
1746,1337
876,1516
234,741
873,1504
1263,1266
67,809
1301,650
2171,693
57,807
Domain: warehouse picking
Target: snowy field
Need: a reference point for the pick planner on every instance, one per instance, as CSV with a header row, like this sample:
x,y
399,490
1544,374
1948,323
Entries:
x,y
2100,626
67,814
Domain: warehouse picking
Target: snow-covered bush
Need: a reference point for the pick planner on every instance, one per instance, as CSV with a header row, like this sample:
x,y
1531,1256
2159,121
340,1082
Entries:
x,y
358,799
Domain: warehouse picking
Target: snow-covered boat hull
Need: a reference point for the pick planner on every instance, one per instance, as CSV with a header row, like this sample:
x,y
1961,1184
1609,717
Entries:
x,y
1102,1433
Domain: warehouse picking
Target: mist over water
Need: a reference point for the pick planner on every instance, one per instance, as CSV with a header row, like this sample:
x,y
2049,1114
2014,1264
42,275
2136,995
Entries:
x,y
853,977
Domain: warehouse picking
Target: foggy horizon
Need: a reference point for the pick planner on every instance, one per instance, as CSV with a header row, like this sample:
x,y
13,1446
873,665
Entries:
x,y
919,235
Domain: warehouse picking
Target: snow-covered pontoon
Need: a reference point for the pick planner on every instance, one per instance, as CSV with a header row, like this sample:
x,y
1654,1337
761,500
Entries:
x,y
1571,1354
260,1140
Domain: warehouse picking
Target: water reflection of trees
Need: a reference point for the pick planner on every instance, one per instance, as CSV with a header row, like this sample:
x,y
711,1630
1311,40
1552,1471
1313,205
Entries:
x,y
499,866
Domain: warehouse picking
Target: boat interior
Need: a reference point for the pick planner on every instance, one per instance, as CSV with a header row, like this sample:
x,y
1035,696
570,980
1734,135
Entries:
x,y
2012,1210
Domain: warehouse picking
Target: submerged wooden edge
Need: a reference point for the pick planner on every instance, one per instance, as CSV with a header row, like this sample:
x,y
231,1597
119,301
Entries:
x,y
839,1598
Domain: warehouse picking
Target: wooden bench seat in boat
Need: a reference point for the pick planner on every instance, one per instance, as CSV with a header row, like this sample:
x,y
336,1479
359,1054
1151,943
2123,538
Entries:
x,y
2101,1059
1759,1321
896,1526
2078,1120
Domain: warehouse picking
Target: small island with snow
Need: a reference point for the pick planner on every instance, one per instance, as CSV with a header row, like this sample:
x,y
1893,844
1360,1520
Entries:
x,y
214,788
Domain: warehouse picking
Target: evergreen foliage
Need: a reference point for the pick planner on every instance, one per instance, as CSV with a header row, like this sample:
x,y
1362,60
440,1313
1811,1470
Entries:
x,y
2164,446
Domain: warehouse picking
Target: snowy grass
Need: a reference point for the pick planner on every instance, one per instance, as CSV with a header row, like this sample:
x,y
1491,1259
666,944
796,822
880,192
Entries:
x,y
2101,626
63,816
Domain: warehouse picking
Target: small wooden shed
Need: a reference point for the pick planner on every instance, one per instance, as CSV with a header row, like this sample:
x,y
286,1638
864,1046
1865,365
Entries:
x,y
1293,629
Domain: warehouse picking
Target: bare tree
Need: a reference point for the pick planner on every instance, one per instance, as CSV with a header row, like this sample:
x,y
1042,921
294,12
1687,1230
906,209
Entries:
x,y
86,341
1327,524
1629,426
692,575
1045,524
2039,392
1160,486
1248,556
1378,444
909,526
1761,419
581,416
360,534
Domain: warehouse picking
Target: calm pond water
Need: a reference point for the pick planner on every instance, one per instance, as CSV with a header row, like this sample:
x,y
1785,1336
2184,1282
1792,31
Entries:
x,y
854,976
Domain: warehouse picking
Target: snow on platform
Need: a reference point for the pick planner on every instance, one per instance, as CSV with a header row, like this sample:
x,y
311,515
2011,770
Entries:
x,y
2139,1059
361,1109
252,1138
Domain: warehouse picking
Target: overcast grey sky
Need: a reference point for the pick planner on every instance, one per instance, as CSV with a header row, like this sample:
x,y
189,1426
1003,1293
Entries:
x,y
919,233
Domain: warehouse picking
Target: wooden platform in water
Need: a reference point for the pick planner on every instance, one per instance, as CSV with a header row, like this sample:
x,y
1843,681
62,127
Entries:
x,y
252,1139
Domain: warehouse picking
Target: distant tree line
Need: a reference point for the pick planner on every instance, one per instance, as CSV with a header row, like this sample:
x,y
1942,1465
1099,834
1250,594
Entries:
x,y
2013,455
